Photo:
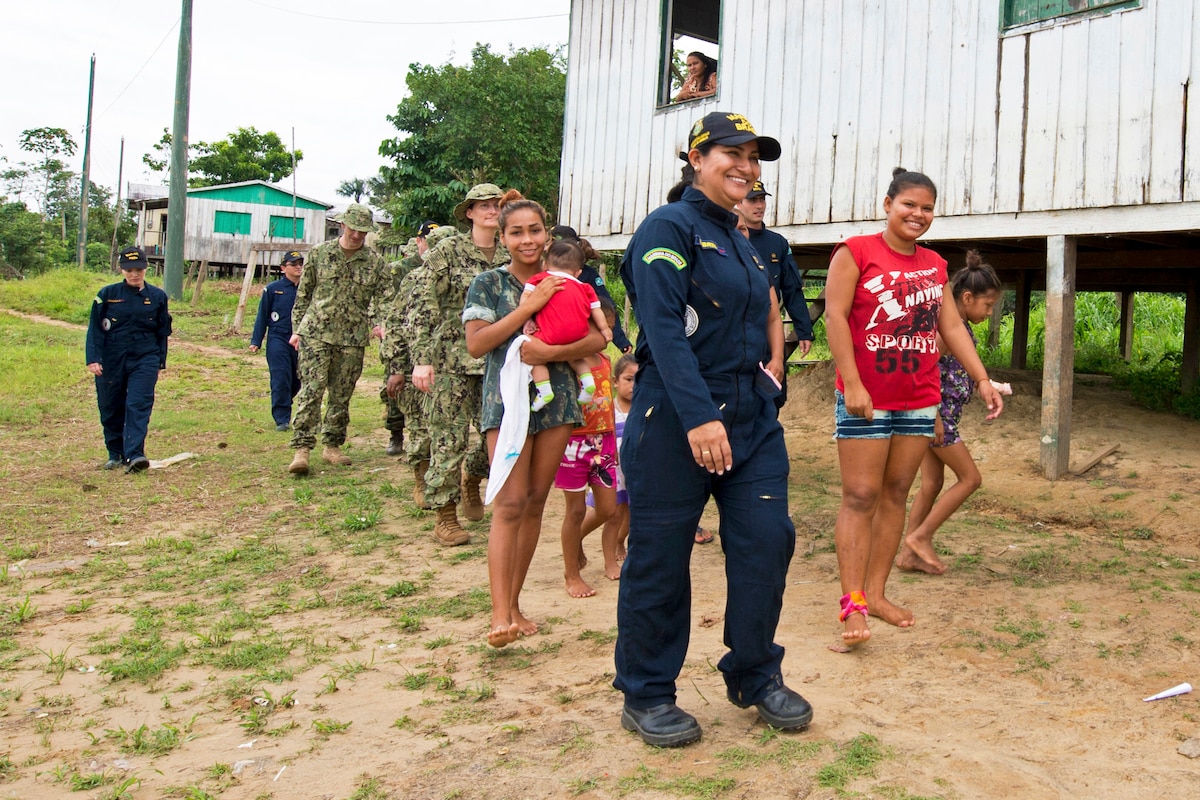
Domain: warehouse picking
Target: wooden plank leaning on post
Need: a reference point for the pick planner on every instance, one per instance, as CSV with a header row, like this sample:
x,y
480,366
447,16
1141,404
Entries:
x,y
251,268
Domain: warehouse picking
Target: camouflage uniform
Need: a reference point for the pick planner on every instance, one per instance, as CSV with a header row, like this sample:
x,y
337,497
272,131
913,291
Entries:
x,y
395,415
332,317
439,340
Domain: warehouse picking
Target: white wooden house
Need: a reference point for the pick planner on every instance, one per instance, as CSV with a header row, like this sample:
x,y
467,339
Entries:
x,y
1059,132
223,222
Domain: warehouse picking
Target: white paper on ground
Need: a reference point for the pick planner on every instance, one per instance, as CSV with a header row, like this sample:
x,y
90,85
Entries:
x,y
1182,688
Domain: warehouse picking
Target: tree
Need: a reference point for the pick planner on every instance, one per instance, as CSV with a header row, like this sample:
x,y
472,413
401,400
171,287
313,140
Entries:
x,y
244,155
160,159
53,145
355,187
21,233
497,119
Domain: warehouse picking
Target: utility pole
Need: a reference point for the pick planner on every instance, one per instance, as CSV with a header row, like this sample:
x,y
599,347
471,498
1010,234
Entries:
x,y
177,202
81,247
293,184
112,256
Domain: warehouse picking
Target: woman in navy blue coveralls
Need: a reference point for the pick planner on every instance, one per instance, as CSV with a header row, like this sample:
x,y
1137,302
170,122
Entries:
x,y
126,348
703,423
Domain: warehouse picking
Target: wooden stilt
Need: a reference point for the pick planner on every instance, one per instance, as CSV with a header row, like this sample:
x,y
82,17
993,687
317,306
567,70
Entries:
x,y
1058,372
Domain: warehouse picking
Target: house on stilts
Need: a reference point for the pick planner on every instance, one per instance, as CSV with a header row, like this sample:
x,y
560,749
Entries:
x,y
1059,132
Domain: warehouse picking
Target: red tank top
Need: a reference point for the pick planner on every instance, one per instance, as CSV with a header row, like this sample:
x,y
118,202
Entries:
x,y
893,321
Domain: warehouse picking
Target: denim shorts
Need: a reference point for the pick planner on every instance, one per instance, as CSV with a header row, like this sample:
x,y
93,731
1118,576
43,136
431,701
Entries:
x,y
884,424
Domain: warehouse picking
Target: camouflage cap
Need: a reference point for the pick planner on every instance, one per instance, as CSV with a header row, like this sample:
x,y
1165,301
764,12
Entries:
x,y
132,258
482,191
564,232
410,248
293,257
438,234
357,217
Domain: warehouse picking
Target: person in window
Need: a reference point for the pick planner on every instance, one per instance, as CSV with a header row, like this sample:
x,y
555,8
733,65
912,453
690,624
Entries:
x,y
701,80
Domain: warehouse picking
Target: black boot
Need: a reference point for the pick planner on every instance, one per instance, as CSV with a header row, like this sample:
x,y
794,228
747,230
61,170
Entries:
x,y
395,447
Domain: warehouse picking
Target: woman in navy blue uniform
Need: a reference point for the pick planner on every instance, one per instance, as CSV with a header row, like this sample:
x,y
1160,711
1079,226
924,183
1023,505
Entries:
x,y
703,423
126,348
274,321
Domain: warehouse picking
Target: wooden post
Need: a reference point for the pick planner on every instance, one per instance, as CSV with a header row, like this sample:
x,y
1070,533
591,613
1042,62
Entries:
x,y
996,320
251,264
1020,341
1191,336
190,278
1125,337
1058,372
201,274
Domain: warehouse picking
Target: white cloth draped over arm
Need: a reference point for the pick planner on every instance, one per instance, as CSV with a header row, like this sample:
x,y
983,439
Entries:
x,y
515,376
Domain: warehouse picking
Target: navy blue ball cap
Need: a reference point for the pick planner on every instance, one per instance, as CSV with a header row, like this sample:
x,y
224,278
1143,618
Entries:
x,y
757,190
293,257
132,258
428,227
721,127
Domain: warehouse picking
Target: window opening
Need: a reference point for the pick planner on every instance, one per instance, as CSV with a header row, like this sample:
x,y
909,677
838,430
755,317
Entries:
x,y
691,33
1016,13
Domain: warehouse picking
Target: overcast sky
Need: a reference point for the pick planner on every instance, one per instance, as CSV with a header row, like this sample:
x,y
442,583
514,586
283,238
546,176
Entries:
x,y
331,71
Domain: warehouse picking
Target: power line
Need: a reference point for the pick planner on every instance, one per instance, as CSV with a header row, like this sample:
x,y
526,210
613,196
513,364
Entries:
x,y
170,30
405,23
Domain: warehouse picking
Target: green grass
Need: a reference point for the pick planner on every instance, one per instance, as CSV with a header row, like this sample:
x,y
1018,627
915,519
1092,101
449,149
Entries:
x,y
856,759
233,576
43,370
682,785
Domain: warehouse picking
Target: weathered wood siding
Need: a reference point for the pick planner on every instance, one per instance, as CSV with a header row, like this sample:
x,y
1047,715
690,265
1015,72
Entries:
x,y
202,243
1090,114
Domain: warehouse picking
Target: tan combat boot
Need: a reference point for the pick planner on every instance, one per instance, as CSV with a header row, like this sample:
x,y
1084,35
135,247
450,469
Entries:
x,y
472,502
334,455
419,484
447,530
299,465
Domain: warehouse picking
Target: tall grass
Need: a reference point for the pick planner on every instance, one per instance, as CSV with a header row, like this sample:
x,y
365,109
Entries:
x,y
1157,332
1152,374
43,371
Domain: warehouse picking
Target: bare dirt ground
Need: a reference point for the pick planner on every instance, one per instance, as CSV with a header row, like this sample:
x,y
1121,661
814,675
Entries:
x,y
1064,605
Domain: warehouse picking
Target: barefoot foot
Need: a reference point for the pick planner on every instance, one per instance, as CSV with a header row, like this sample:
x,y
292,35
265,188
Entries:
x,y
525,626
856,631
503,633
918,556
612,570
578,587
890,612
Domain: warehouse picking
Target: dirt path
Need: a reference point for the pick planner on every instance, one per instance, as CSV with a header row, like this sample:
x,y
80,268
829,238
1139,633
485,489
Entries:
x,y
1065,604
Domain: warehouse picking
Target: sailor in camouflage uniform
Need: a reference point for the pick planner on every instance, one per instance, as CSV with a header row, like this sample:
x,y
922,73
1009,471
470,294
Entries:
x,y
396,354
414,255
444,370
332,324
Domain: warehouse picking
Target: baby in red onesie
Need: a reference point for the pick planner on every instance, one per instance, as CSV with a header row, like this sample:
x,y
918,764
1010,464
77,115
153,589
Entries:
x,y
565,318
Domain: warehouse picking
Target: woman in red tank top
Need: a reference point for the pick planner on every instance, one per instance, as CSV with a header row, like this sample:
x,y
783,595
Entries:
x,y
883,313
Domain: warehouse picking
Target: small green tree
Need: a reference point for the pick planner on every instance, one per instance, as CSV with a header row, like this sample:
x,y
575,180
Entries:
x,y
53,145
354,188
244,155
498,119
21,234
